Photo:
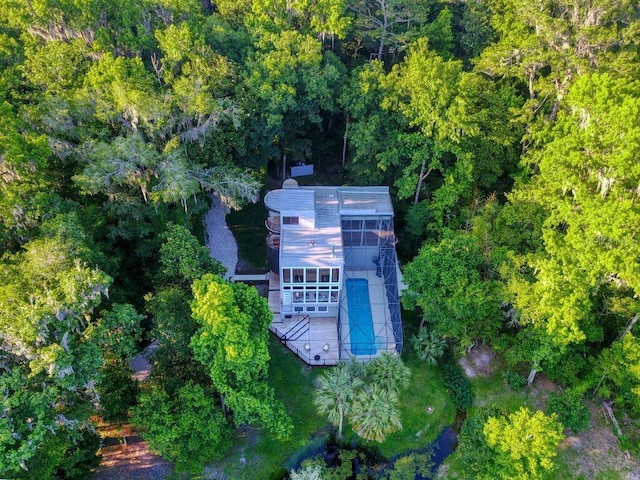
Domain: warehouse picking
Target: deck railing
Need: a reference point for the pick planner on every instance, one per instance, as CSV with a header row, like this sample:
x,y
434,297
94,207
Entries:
x,y
273,241
273,224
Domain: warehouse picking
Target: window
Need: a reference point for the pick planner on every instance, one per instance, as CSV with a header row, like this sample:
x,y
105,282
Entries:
x,y
290,220
298,309
324,275
311,309
335,275
298,275
312,275
323,296
310,296
334,297
370,224
298,297
323,308
371,239
286,275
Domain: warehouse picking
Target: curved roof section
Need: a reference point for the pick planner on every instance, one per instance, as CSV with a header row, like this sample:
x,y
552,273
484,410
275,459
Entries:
x,y
299,199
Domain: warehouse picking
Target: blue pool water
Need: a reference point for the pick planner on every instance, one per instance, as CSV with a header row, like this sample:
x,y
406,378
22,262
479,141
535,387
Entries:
x,y
360,320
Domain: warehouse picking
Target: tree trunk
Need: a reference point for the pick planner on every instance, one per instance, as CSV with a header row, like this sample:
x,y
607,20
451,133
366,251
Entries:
x,y
607,408
344,140
224,407
532,374
383,37
284,166
421,177
341,414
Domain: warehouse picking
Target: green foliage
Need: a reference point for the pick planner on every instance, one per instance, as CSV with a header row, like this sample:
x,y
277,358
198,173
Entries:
x,y
119,331
366,394
457,384
474,456
570,408
232,344
335,393
428,345
448,281
172,327
411,466
521,456
620,373
183,259
389,372
374,413
117,391
515,380
188,428
49,356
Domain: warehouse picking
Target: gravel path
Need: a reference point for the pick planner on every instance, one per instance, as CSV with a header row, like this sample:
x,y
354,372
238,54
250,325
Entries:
x,y
220,240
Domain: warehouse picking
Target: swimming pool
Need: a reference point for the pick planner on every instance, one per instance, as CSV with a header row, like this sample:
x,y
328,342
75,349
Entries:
x,y
360,319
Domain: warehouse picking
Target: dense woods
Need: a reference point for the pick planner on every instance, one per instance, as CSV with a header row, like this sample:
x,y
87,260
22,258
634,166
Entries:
x,y
509,131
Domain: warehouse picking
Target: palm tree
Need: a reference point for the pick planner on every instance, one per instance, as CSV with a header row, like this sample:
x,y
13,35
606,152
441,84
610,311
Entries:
x,y
389,372
375,414
335,392
428,345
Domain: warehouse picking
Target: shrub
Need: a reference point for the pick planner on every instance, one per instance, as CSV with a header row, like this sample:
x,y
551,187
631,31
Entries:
x,y
570,408
515,380
457,384
428,345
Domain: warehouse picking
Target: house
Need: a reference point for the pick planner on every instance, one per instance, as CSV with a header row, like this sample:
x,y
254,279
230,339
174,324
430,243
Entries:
x,y
334,280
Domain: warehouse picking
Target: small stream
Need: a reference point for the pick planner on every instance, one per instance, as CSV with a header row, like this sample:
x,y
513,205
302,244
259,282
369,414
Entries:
x,y
441,447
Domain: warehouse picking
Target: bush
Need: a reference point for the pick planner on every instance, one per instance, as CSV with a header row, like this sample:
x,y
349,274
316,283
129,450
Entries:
x,y
428,345
515,380
457,384
570,408
187,429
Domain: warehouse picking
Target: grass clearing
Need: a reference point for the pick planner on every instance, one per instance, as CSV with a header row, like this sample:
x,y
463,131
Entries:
x,y
591,454
427,389
249,231
255,454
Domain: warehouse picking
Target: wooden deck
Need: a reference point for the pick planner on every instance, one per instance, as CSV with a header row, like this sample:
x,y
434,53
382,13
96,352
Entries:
x,y
314,340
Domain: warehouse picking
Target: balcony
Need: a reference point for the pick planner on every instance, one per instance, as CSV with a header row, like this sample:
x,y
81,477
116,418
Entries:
x,y
273,224
273,252
273,241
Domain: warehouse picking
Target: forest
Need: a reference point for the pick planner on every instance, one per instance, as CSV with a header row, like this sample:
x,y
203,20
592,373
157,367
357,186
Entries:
x,y
508,131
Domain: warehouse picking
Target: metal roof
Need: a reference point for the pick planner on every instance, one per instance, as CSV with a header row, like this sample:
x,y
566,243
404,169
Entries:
x,y
290,199
321,244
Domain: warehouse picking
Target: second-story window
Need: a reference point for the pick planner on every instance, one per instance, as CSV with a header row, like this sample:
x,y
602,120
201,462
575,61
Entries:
x,y
290,220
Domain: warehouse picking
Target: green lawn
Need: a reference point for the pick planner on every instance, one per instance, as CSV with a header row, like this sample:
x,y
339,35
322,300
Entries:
x,y
248,228
419,427
256,455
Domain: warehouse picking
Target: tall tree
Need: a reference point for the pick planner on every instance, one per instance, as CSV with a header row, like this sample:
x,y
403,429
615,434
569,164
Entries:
x,y
546,45
521,456
454,283
290,83
232,344
389,21
587,184
50,362
188,428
